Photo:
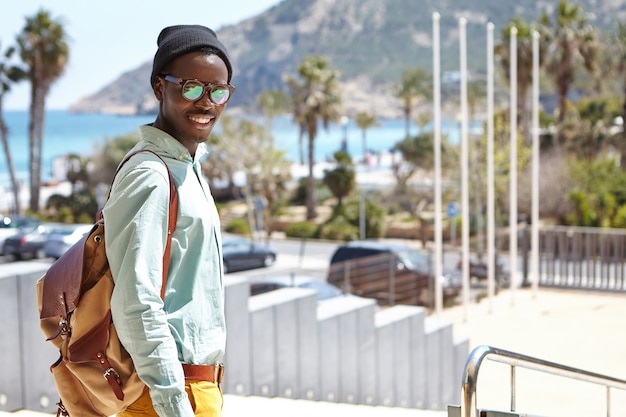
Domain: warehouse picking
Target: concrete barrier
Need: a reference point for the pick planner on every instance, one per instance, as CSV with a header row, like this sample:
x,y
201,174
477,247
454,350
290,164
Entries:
x,y
25,357
280,344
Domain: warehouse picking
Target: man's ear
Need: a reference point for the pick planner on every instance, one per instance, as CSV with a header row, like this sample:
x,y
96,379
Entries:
x,y
158,88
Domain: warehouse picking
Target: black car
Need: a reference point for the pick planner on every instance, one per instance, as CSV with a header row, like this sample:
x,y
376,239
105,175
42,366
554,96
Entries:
x,y
392,273
29,241
9,226
240,253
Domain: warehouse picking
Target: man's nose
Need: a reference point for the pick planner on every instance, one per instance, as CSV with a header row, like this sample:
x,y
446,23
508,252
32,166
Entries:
x,y
205,101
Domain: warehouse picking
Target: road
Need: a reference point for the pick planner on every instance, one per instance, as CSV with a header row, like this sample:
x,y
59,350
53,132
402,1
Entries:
x,y
306,257
312,257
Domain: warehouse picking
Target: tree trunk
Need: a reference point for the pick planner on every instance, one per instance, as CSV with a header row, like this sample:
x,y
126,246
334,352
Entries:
x,y
36,143
4,133
31,151
407,122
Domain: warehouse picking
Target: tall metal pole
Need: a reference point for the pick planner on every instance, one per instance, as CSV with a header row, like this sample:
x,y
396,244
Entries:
x,y
437,153
491,241
464,168
535,175
513,162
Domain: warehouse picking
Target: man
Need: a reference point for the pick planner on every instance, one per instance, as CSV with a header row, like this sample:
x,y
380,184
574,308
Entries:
x,y
176,342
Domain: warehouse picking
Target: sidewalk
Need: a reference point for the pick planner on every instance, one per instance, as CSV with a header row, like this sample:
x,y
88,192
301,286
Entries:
x,y
235,406
573,328
585,330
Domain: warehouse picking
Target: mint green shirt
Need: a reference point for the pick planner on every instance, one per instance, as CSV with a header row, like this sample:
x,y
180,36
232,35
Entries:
x,y
189,325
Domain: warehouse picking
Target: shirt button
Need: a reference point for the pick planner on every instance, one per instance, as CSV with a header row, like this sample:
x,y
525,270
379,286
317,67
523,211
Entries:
x,y
180,157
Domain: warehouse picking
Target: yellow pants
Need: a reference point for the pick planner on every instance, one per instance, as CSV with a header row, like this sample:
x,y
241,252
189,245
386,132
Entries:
x,y
206,400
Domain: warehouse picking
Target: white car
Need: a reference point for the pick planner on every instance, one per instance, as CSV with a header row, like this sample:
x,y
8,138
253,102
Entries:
x,y
64,237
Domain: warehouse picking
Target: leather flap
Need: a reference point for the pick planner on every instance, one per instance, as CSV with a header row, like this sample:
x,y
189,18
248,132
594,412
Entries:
x,y
62,282
92,343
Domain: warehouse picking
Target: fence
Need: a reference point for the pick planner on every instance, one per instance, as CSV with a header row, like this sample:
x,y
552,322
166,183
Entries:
x,y
583,258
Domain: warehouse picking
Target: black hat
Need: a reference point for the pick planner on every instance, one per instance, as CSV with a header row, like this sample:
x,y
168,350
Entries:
x,y
177,40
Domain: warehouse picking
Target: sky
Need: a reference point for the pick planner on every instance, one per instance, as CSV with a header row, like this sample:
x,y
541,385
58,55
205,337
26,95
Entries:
x,y
110,37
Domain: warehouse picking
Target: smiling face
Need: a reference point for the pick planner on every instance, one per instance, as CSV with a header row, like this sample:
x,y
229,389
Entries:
x,y
189,122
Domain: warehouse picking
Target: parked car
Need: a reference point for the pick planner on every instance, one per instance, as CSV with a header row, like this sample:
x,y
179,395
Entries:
x,y
324,290
240,253
11,225
64,237
393,273
478,269
29,241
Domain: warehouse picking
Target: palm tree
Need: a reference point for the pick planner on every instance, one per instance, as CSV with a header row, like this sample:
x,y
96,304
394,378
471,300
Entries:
x,y
298,94
272,103
316,98
415,83
43,48
570,40
8,75
364,121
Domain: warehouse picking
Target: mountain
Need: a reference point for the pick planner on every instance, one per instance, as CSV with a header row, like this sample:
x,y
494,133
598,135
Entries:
x,y
369,41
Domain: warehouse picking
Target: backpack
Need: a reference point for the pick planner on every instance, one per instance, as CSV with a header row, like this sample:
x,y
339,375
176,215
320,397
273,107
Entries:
x,y
94,374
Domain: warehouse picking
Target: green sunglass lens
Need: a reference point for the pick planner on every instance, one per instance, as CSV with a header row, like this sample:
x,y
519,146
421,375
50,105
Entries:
x,y
220,95
192,91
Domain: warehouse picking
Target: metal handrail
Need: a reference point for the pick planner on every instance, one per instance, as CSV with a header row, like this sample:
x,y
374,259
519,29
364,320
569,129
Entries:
x,y
469,407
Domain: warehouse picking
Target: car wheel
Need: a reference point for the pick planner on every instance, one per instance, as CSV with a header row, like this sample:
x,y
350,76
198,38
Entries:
x,y
225,268
40,254
268,261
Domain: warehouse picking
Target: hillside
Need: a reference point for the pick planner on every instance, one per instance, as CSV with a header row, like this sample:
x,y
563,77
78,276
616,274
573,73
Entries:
x,y
369,41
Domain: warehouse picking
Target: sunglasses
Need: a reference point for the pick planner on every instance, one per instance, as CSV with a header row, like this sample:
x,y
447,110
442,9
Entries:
x,y
193,90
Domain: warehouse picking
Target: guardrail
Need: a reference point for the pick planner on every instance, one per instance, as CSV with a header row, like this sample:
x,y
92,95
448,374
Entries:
x,y
590,258
469,406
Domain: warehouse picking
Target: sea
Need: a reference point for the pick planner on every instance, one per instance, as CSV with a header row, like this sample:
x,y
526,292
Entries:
x,y
83,134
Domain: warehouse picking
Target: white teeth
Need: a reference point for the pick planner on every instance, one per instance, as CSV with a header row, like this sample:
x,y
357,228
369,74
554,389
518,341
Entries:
x,y
203,120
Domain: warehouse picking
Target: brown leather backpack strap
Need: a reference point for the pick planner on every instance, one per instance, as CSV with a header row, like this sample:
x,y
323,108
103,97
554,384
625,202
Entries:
x,y
172,214
171,227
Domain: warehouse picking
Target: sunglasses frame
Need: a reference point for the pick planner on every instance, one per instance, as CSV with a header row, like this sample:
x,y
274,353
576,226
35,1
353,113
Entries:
x,y
206,87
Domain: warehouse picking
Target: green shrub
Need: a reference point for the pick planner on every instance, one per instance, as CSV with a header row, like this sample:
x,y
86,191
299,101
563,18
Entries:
x,y
78,207
238,226
375,223
339,229
620,218
301,230
322,193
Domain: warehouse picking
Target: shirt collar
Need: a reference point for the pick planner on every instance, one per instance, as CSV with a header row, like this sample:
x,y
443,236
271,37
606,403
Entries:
x,y
169,144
